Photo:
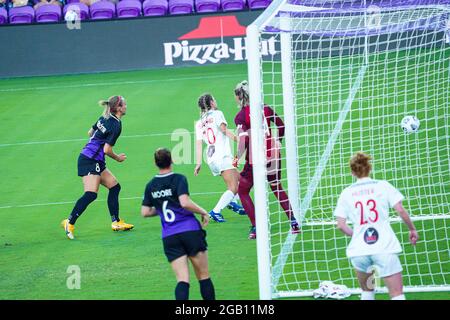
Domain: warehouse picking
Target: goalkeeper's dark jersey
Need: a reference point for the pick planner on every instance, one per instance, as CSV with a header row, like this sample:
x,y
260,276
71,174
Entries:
x,y
162,192
242,121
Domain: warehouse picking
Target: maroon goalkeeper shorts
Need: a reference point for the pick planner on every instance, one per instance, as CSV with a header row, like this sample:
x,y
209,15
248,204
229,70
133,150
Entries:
x,y
273,172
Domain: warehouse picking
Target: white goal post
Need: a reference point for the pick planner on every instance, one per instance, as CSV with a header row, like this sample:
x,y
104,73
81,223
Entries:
x,y
345,74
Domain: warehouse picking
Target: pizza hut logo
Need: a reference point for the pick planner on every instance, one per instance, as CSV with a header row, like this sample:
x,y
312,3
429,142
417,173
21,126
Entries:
x,y
219,27
371,236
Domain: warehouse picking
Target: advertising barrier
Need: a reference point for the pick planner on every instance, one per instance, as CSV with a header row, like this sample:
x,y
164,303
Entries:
x,y
125,44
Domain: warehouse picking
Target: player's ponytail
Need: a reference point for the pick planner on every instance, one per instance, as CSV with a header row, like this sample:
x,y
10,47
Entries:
x,y
204,102
360,164
111,105
104,104
241,91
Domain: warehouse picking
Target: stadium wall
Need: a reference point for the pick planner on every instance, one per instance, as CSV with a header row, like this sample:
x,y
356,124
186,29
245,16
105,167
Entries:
x,y
119,45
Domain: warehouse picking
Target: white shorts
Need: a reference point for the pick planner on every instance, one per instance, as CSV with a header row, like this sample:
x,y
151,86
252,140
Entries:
x,y
386,264
218,166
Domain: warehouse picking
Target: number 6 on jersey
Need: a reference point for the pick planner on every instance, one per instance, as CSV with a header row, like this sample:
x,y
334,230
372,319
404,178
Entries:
x,y
168,214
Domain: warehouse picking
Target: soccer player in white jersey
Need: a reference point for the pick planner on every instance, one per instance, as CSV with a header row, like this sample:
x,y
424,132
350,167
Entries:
x,y
366,204
212,129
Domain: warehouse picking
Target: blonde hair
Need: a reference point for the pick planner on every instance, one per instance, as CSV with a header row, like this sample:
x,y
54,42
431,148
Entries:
x,y
111,105
241,91
360,164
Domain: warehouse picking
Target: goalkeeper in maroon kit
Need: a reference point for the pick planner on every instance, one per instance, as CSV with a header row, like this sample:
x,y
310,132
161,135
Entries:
x,y
273,144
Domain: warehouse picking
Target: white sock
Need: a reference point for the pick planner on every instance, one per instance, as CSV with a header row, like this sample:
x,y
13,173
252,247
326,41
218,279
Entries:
x,y
368,295
224,200
236,198
400,297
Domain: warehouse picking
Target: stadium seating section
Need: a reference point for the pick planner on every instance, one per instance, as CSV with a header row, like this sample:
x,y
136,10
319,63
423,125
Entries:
x,y
75,10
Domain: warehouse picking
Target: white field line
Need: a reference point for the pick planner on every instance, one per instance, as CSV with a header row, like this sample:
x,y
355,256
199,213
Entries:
x,y
26,143
73,201
102,84
148,135
306,202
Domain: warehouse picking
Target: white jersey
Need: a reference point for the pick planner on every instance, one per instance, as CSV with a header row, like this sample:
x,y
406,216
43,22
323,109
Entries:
x,y
366,204
208,130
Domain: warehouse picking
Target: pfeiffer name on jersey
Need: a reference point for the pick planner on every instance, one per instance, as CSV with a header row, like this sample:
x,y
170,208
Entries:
x,y
213,53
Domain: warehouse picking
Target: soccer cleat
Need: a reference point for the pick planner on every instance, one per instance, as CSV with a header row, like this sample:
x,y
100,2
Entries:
x,y
121,226
252,234
68,228
236,207
217,217
295,227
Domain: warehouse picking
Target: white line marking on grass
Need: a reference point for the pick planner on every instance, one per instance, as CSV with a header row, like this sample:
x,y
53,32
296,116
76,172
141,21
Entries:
x,y
148,135
102,84
289,243
73,201
82,139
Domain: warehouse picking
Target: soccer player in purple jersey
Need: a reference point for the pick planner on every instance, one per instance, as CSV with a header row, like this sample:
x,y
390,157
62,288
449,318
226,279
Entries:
x,y
167,195
92,168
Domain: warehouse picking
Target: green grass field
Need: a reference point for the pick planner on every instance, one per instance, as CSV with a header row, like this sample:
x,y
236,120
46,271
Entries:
x,y
44,126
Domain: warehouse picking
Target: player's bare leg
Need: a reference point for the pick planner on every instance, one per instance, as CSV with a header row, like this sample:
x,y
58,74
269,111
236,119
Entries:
x,y
200,263
227,196
394,283
367,285
181,269
231,179
109,181
91,183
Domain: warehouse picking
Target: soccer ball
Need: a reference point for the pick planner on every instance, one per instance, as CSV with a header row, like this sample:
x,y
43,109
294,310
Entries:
x,y
410,124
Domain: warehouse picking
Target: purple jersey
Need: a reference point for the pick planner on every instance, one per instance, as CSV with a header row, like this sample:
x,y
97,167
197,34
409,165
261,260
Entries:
x,y
105,131
162,192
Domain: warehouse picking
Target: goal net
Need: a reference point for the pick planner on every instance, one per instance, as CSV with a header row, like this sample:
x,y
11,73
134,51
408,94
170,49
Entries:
x,y
346,74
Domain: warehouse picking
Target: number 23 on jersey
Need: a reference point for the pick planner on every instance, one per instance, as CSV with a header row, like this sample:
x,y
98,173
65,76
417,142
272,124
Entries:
x,y
368,211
